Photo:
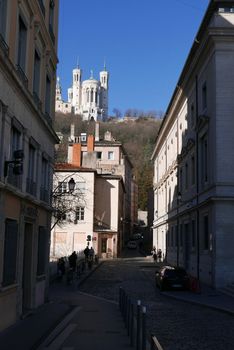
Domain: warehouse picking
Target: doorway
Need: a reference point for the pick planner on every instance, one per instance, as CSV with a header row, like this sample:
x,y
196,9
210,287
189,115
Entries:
x,y
27,268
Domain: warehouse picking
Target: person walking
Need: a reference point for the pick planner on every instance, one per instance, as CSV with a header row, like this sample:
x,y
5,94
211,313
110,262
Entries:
x,y
154,254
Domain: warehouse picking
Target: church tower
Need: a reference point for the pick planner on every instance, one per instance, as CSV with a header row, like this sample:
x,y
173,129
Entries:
x,y
58,93
104,77
75,94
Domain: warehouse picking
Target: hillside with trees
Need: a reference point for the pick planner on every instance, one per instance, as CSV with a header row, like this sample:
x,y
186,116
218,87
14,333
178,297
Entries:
x,y
136,134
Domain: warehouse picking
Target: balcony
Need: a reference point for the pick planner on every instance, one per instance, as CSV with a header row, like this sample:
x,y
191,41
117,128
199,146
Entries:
x,y
42,6
4,45
22,75
31,187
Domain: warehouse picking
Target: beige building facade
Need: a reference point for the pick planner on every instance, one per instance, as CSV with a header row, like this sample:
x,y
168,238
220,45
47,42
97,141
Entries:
x,y
193,157
28,45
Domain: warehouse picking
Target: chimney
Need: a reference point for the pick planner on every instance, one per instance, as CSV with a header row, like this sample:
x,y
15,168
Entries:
x,y
76,154
72,132
107,136
90,143
97,132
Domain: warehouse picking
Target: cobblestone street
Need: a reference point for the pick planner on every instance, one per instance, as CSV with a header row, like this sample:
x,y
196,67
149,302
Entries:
x,y
177,325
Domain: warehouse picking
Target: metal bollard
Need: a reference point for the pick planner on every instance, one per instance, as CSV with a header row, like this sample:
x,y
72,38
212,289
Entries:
x,y
128,314
132,325
138,324
120,298
143,324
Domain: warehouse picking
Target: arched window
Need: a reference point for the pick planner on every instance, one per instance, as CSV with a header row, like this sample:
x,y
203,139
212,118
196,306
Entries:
x,y
95,97
92,95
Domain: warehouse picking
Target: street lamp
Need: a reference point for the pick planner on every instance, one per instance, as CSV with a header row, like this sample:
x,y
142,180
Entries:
x,y
71,185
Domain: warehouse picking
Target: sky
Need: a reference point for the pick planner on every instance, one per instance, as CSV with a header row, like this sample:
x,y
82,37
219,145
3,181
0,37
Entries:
x,y
144,43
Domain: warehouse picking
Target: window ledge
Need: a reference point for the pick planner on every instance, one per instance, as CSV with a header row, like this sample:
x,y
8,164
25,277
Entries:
x,y
9,288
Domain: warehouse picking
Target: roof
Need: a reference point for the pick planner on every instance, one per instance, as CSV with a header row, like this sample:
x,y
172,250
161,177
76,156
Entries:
x,y
69,167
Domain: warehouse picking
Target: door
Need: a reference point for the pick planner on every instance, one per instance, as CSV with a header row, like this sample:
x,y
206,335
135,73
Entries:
x,y
27,267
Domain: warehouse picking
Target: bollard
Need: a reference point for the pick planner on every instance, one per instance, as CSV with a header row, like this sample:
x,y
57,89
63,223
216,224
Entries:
x,y
143,338
120,298
138,324
131,324
128,315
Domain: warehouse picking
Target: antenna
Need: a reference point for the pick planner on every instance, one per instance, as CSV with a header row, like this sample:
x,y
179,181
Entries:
x,y
77,62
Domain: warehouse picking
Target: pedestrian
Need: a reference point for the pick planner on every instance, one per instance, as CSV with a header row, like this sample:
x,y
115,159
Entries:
x,y
154,254
72,261
86,253
61,267
159,255
91,253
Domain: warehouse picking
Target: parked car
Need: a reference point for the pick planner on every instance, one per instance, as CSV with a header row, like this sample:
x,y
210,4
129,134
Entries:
x,y
169,277
132,245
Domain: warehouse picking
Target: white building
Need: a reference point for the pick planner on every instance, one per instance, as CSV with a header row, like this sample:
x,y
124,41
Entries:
x,y
88,98
193,157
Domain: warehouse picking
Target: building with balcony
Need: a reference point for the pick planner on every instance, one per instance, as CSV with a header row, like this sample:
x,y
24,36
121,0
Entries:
x,y
193,157
28,59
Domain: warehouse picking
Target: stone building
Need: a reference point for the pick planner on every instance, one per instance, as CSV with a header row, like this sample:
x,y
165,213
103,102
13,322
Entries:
x,y
193,157
28,46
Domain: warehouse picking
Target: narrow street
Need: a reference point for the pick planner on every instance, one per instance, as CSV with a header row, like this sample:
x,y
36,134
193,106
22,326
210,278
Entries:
x,y
177,325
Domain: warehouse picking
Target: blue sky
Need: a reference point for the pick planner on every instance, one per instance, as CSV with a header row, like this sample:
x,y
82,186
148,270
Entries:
x,y
144,42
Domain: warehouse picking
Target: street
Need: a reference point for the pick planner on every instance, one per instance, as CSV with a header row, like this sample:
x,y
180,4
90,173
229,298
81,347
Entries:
x,y
177,325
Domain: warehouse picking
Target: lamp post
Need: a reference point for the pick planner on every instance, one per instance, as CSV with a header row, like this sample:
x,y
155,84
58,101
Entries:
x,y
178,221
71,185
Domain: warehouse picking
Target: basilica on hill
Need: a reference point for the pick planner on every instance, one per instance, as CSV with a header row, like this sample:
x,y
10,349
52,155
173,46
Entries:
x,y
88,98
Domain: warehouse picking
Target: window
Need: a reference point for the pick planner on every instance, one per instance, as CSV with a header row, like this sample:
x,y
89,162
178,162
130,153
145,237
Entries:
x,y
51,20
41,251
206,232
192,115
22,44
48,95
80,213
99,155
172,236
111,155
181,180
193,234
3,15
81,187
44,180
36,74
186,176
192,170
181,235
91,95
31,184
204,96
13,175
204,159
62,187
10,252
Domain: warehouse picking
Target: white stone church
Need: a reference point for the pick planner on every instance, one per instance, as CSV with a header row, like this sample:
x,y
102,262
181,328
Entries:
x,y
88,98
